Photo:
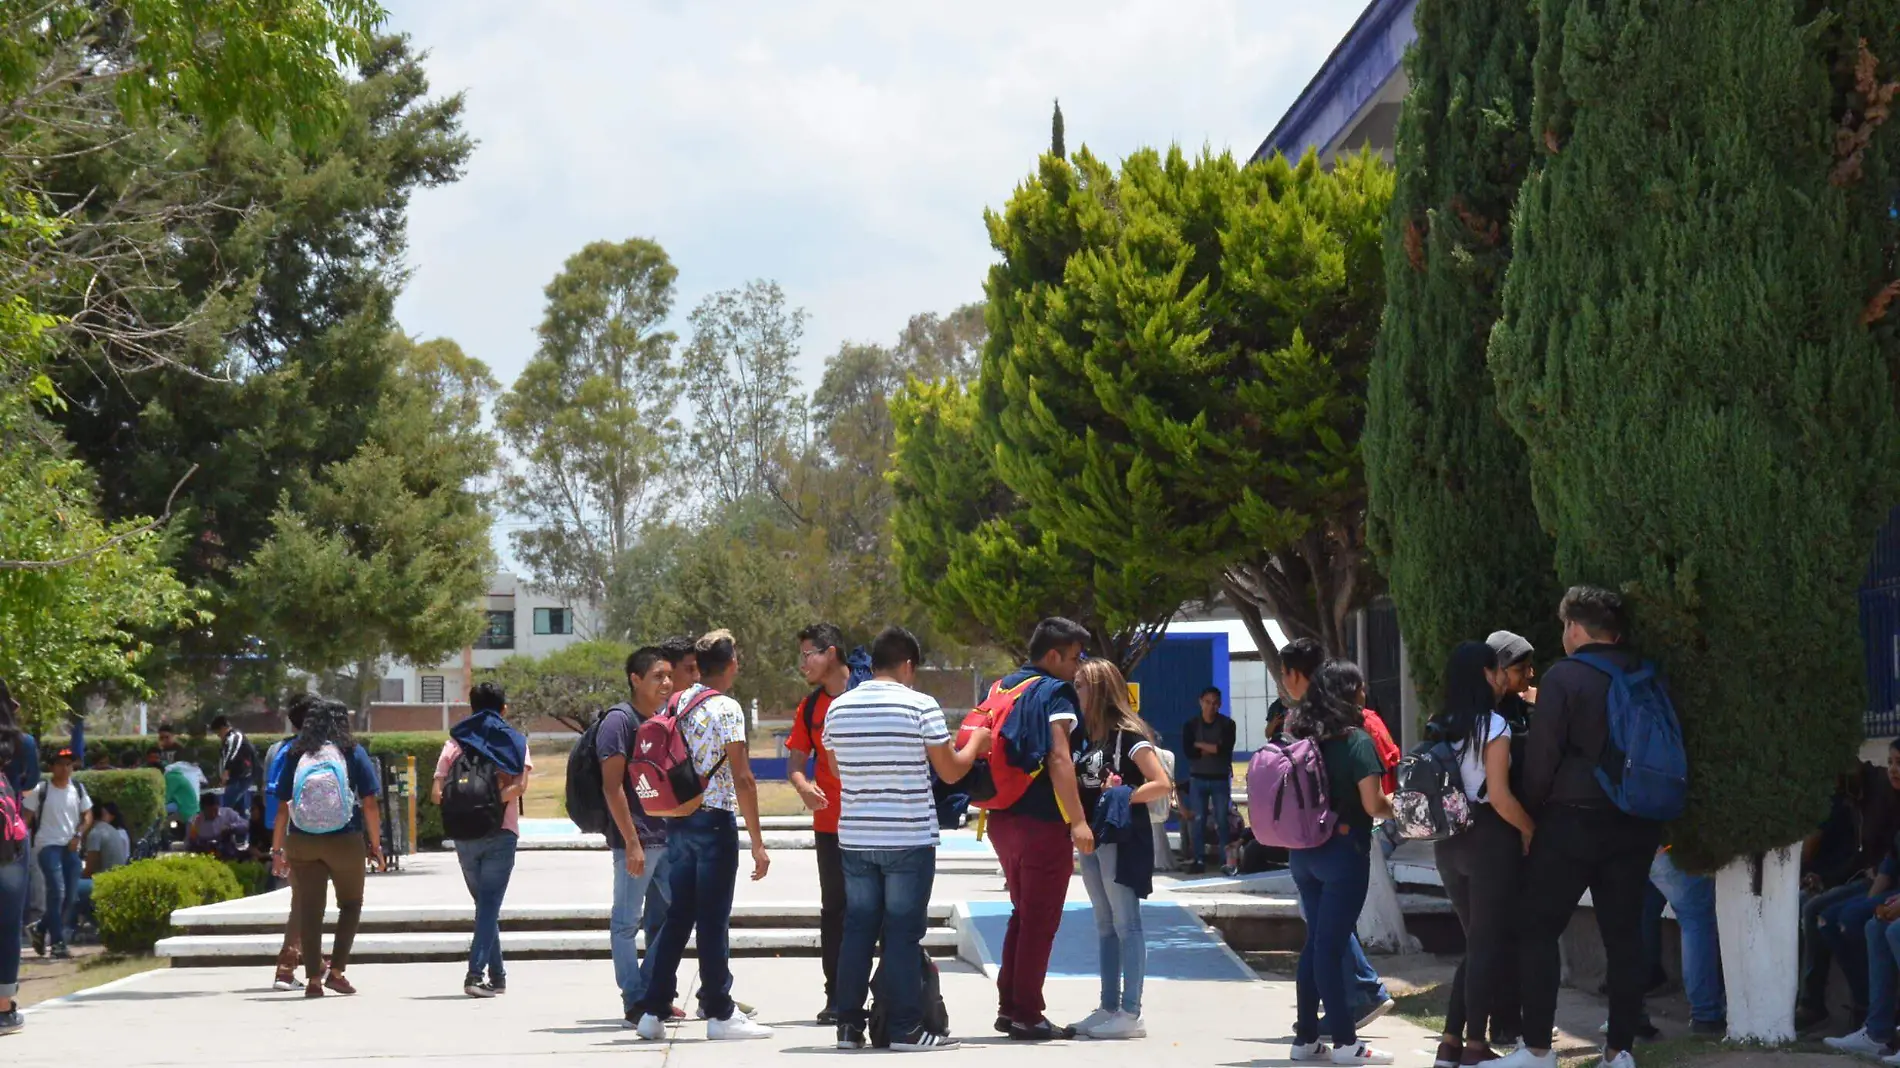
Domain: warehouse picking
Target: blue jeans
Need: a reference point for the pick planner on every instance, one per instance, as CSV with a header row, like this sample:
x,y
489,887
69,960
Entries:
x,y
1817,955
61,867
1124,952
1883,977
1844,926
887,892
237,797
13,877
703,861
487,865
1693,898
1205,794
1331,880
639,904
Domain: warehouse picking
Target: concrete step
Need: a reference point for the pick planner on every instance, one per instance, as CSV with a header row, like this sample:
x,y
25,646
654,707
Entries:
x,y
208,950
268,914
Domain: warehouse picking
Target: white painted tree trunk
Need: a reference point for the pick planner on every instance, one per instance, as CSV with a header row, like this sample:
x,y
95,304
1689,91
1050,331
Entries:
x,y
1757,913
1381,923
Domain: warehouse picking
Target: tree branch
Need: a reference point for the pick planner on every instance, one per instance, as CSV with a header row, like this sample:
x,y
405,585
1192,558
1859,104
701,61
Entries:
x,y
50,565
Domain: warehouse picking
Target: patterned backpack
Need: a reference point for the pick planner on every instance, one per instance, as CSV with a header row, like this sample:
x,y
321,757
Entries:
x,y
1430,804
321,801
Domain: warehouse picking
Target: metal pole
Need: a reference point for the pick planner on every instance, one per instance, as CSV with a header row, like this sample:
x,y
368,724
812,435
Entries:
x,y
412,802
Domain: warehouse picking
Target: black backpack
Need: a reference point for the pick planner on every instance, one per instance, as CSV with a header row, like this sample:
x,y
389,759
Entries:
x,y
936,1014
471,798
1430,804
586,805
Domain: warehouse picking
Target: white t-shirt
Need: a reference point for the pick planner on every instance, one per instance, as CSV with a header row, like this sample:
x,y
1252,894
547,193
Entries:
x,y
878,733
1471,761
715,724
59,824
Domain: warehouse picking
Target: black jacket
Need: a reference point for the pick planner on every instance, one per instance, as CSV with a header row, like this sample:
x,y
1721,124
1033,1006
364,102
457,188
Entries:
x,y
1568,732
1220,765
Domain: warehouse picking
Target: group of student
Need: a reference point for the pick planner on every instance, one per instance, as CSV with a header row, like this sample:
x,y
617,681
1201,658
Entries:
x,y
1536,826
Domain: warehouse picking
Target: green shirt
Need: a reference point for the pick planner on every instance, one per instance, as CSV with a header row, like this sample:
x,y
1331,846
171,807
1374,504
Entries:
x,y
1349,759
180,791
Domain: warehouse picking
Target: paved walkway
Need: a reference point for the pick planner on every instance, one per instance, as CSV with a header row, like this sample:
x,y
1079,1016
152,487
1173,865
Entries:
x,y
566,1013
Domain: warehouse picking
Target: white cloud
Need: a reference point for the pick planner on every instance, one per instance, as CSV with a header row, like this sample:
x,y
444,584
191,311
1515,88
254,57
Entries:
x,y
847,150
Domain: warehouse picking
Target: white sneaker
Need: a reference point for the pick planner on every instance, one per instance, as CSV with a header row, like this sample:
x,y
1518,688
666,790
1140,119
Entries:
x,y
1858,1043
1360,1053
650,1027
1122,1025
1621,1060
1087,1025
735,1028
1522,1057
1893,1060
1384,1006
1310,1051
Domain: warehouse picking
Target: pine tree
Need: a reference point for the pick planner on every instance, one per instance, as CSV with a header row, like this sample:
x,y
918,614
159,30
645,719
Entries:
x,y
1057,146
1686,350
1450,514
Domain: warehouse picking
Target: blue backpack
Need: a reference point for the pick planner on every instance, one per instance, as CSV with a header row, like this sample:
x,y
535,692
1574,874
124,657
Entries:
x,y
1643,766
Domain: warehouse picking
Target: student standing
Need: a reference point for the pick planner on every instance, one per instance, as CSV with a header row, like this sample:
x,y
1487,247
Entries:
x,y
1583,840
704,853
636,840
61,816
882,739
1208,742
328,823
291,955
821,660
1482,868
237,765
15,857
488,862
1120,776
1034,837
1332,878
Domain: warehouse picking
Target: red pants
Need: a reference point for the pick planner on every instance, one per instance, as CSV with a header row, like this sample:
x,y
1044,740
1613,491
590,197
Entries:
x,y
1037,861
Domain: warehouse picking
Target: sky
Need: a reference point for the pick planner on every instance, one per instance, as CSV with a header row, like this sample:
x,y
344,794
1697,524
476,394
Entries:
x,y
845,150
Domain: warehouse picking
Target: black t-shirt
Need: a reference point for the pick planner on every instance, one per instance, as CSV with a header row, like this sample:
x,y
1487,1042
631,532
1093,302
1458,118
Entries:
x,y
1039,801
1116,756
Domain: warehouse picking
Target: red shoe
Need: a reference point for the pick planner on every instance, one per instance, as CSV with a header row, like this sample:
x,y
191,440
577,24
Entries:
x,y
314,989
338,983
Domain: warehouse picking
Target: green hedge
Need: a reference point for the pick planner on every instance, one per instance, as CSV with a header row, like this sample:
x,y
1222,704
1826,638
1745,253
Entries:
x,y
124,749
135,903
139,794
425,746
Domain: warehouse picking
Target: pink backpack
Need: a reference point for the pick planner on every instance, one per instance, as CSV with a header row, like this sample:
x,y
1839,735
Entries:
x,y
660,769
13,832
1287,799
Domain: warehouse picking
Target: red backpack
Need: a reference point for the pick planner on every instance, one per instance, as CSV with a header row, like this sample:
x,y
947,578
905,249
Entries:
x,y
13,832
994,783
660,770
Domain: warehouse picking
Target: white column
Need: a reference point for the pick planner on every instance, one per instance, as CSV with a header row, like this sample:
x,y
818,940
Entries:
x,y
1757,914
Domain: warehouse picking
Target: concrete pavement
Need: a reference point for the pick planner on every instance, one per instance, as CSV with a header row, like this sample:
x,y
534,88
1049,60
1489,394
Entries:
x,y
567,1013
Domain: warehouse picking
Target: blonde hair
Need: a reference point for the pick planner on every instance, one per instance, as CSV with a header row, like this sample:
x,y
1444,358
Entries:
x,y
1106,708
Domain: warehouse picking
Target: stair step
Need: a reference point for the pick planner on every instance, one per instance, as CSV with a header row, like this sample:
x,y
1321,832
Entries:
x,y
257,916
403,946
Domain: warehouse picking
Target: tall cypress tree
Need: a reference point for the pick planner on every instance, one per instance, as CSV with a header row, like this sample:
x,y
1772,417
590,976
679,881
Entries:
x,y
1694,352
1057,146
1450,515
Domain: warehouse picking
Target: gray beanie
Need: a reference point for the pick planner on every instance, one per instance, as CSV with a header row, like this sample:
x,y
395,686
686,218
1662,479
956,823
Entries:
x,y
1510,648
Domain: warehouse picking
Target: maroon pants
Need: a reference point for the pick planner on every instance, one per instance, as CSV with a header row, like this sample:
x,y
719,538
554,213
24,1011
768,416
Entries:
x,y
1037,861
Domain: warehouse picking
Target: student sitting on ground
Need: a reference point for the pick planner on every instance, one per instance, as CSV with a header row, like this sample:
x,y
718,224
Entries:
x,y
217,829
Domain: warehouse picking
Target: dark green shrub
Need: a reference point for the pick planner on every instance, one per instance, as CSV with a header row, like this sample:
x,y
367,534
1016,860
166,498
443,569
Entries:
x,y
250,874
135,903
139,794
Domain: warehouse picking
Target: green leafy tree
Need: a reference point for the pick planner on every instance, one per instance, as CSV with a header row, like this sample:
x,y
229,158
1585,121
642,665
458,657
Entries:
x,y
1175,374
572,684
968,551
390,555
1696,347
1448,483
748,412
591,418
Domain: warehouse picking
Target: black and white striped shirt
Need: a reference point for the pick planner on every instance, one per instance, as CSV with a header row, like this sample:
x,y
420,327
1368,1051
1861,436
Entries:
x,y
878,733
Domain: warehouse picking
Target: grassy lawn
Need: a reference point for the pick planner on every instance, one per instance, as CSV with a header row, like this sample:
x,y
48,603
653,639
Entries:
x,y
547,791
44,980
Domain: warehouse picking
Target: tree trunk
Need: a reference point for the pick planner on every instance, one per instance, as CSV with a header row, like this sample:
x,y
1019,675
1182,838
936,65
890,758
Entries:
x,y
1381,923
1757,909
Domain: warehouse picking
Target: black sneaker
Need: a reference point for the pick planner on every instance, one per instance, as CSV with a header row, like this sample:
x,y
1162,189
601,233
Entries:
x,y
924,1041
11,1021
1197,868
474,987
39,942
850,1036
827,1017
1041,1031
1003,1025
60,952
1808,1017
499,986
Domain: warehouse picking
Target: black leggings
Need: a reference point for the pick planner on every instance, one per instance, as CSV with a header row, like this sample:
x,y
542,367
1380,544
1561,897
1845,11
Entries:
x,y
1482,870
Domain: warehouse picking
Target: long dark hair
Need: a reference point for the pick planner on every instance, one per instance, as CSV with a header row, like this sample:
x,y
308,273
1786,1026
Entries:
x,y
1469,698
9,726
1331,707
325,722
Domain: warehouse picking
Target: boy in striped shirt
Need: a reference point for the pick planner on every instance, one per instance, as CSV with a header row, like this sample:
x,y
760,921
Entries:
x,y
883,738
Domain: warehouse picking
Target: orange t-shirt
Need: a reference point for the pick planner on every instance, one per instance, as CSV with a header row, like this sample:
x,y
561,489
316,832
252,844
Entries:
x,y
811,739
1388,749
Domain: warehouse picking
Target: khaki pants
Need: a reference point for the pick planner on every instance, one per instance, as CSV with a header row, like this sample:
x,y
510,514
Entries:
x,y
316,860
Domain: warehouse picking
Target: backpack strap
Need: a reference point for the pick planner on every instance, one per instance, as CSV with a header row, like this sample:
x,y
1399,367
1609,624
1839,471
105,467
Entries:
x,y
805,708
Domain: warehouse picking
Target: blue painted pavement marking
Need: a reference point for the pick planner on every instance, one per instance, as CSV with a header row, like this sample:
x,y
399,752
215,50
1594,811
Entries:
x,y
1179,945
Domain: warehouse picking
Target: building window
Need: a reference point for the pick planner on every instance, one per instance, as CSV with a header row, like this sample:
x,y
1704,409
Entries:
x,y
553,621
431,689
389,691
500,633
